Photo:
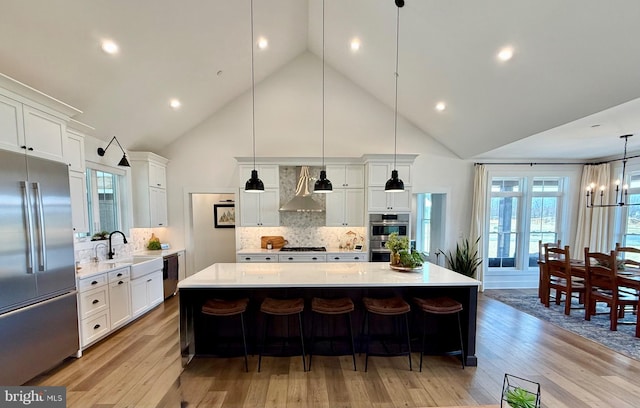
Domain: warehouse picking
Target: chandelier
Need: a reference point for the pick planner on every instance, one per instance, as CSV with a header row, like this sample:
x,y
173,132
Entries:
x,y
622,190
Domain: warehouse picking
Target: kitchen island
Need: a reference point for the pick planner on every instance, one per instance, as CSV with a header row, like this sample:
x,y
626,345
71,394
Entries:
x,y
259,280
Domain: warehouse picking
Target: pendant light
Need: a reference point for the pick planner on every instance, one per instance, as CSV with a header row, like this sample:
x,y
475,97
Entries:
x,y
394,184
323,185
254,184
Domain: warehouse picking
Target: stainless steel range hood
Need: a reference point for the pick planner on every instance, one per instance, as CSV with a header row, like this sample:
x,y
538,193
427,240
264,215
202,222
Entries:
x,y
302,201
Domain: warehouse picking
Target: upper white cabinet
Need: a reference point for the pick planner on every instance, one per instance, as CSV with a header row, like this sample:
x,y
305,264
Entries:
x,y
381,201
149,189
74,153
79,205
346,175
268,173
24,128
345,207
260,209
379,173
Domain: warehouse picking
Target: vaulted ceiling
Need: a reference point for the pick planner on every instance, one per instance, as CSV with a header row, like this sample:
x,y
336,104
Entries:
x,y
569,91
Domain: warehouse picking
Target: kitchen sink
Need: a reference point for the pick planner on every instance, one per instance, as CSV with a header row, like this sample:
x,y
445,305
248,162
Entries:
x,y
140,265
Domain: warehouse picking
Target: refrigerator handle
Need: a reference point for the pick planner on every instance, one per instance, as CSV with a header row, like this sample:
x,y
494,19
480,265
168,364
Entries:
x,y
27,214
42,244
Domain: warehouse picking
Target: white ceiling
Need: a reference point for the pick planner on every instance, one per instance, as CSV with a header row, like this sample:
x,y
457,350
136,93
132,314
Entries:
x,y
576,64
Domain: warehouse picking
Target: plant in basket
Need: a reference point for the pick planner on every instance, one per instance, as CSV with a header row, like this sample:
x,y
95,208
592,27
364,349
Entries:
x,y
401,255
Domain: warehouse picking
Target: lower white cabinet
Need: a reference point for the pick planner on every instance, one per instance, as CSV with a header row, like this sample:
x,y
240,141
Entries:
x,y
120,302
257,258
302,258
146,293
347,257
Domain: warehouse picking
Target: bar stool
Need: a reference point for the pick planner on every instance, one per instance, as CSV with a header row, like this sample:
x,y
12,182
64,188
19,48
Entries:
x,y
332,307
440,306
396,307
282,307
224,308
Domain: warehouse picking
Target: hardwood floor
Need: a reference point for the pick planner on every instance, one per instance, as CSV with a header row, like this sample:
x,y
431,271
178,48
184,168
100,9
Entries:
x,y
140,366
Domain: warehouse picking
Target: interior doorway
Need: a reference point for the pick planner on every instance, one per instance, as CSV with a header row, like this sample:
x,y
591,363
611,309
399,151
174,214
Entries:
x,y
212,243
430,225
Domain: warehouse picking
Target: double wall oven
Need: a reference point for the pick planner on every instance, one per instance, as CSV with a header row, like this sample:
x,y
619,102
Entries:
x,y
380,227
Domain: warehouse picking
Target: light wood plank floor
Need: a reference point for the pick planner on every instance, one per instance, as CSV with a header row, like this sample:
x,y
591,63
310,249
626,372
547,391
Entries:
x,y
140,366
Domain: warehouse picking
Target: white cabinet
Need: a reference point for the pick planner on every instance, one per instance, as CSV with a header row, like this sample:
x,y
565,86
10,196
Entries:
x,y
119,298
379,173
302,258
74,153
345,207
26,129
103,304
79,207
381,201
268,173
347,257
257,258
149,189
146,293
260,209
346,175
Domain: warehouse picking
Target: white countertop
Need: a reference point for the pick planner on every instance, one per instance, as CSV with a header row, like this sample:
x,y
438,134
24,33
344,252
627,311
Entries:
x,y
158,252
320,274
263,251
88,270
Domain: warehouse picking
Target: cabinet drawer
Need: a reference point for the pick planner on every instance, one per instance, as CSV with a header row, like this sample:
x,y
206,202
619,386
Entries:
x,y
94,301
257,258
119,274
94,328
302,258
95,282
360,257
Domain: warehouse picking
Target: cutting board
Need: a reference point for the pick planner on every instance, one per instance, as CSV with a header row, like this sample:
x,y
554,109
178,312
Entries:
x,y
276,240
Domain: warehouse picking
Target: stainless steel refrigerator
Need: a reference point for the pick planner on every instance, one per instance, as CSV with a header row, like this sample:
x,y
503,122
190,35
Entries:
x,y
38,306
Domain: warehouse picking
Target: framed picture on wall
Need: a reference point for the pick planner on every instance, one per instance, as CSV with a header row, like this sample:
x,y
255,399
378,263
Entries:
x,y
224,216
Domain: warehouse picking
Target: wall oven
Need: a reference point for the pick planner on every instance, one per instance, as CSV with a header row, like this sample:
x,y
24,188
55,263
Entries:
x,y
380,227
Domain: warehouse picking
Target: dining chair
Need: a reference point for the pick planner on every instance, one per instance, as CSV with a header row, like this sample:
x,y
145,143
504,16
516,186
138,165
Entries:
x,y
602,285
628,262
543,285
561,277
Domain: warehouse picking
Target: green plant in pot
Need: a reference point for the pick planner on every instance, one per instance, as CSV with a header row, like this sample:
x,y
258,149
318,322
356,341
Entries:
x,y
401,255
520,398
465,259
98,236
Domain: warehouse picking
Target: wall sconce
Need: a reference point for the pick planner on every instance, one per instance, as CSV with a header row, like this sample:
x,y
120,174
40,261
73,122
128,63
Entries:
x,y
123,162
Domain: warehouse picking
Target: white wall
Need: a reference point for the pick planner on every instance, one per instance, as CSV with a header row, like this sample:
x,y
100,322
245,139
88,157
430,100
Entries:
x,y
288,124
211,244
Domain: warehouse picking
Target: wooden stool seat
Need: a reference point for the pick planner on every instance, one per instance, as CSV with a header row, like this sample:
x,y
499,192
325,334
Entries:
x,y
332,306
389,307
220,307
439,305
282,307
225,308
394,307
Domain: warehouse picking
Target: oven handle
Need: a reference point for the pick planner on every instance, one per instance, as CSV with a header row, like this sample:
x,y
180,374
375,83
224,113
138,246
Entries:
x,y
384,251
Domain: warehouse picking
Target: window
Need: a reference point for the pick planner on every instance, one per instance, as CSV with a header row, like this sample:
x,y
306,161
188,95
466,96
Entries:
x,y
631,214
423,235
106,198
523,211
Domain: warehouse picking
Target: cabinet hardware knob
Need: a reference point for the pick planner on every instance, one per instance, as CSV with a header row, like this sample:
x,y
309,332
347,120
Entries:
x,y
120,282
94,282
149,280
268,258
290,258
95,301
30,149
357,257
247,259
23,147
314,258
336,258
119,275
96,327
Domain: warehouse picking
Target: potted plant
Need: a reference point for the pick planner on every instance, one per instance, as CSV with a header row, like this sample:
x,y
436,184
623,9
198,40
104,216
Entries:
x,y
401,255
99,236
519,392
465,259
520,398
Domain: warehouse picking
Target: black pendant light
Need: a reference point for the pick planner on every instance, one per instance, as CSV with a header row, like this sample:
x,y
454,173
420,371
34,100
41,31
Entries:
x,y
254,184
323,185
394,184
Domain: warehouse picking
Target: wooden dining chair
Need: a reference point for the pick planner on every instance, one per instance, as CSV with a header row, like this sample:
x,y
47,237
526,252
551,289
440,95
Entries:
x,y
602,285
628,261
543,282
560,276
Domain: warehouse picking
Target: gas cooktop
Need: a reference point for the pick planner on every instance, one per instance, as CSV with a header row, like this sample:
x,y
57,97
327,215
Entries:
x,y
303,249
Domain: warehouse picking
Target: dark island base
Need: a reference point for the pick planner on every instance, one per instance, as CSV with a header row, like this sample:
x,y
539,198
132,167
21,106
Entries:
x,y
202,335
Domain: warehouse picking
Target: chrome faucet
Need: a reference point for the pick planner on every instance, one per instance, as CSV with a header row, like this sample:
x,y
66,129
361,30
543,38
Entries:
x,y
111,253
95,258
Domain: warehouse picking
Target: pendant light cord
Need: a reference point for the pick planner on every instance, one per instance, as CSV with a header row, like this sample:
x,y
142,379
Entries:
x,y
253,94
323,84
395,120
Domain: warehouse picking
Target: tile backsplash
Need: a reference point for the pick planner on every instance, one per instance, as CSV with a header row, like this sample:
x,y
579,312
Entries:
x,y
330,237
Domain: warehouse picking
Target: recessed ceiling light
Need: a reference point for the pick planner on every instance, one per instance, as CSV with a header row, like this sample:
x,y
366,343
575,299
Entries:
x,y
355,44
440,106
505,54
109,47
175,103
262,43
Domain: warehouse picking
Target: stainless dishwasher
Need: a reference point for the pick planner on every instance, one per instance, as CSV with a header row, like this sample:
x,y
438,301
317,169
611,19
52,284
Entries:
x,y
170,275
